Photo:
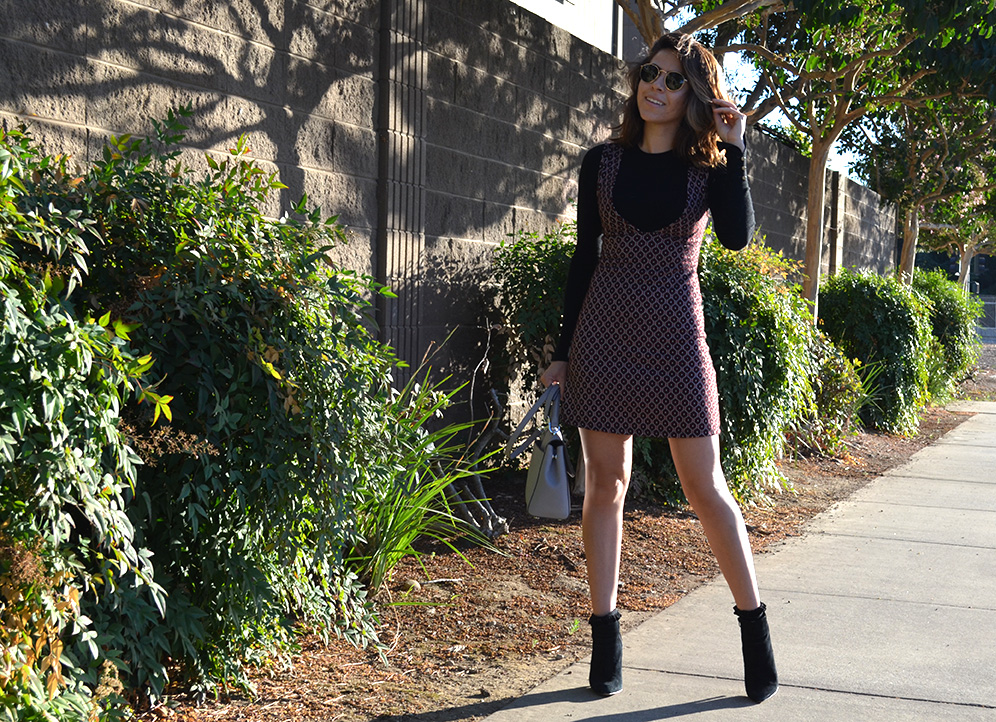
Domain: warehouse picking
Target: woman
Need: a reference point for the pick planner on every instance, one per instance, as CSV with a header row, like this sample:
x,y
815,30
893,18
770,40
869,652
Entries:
x,y
632,357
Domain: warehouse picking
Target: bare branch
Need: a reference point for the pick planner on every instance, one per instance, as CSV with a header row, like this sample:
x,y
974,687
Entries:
x,y
730,10
774,59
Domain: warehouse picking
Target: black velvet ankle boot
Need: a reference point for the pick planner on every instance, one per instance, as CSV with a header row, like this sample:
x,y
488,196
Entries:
x,y
760,677
605,675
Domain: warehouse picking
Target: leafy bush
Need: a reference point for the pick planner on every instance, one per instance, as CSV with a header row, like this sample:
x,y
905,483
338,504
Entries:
x,y
883,324
66,470
953,315
838,395
262,499
757,331
529,274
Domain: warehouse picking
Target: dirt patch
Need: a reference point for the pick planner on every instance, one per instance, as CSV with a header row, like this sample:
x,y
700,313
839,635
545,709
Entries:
x,y
468,639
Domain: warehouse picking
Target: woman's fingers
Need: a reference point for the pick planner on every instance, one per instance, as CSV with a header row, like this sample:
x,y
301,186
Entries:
x,y
730,121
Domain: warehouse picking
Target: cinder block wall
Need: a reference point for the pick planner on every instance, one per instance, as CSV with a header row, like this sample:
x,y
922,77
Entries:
x,y
433,128
870,230
297,78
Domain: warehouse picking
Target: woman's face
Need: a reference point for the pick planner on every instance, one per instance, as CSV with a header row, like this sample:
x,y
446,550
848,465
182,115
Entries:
x,y
656,103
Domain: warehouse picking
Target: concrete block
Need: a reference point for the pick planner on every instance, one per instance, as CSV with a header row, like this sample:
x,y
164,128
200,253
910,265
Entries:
x,y
479,91
43,83
509,184
314,34
529,220
452,126
49,23
582,91
52,138
518,65
532,31
315,142
450,35
499,140
531,109
553,195
185,52
123,101
356,51
557,80
559,158
583,130
364,12
247,70
499,222
561,45
260,22
440,77
351,198
608,69
496,16
357,253
355,151
320,89
454,270
458,173
453,216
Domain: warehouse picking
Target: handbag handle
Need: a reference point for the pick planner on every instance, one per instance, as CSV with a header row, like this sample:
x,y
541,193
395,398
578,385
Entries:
x,y
549,398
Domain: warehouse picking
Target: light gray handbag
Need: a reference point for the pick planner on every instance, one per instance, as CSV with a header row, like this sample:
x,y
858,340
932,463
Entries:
x,y
548,481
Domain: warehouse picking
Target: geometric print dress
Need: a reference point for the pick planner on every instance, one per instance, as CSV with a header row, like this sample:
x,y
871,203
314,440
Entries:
x,y
639,361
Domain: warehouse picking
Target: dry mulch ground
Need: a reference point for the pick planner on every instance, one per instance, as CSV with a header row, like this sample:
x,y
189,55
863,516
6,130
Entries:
x,y
466,639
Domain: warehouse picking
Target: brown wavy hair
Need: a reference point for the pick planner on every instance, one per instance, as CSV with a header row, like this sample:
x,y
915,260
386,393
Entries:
x,y
696,139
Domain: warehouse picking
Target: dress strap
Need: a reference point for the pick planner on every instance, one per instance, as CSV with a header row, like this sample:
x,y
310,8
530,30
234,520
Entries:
x,y
608,169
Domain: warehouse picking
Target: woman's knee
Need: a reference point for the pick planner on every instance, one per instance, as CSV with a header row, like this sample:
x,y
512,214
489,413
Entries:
x,y
605,485
709,497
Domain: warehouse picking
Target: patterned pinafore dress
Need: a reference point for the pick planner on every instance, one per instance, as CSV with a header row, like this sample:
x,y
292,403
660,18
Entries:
x,y
639,362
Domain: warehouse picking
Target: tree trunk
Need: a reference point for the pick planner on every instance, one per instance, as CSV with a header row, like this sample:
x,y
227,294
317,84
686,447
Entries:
x,y
911,235
814,223
965,265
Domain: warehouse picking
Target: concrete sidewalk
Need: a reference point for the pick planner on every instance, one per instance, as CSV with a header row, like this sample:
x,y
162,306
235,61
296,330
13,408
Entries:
x,y
884,610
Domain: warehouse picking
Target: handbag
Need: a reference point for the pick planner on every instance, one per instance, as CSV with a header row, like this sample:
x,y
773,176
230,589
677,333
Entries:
x,y
548,481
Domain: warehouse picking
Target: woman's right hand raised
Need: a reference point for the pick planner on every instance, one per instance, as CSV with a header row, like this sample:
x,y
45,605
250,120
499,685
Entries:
x,y
556,373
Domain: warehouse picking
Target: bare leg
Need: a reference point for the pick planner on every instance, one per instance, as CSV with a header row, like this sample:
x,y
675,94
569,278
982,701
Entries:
x,y
608,459
702,480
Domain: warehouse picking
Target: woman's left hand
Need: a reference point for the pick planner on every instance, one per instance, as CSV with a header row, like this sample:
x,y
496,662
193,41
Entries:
x,y
730,122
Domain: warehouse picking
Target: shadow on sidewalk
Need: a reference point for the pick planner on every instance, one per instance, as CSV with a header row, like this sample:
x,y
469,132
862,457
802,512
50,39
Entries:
x,y
579,696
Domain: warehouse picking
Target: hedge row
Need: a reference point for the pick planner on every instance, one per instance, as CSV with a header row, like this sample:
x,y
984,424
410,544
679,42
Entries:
x,y
784,385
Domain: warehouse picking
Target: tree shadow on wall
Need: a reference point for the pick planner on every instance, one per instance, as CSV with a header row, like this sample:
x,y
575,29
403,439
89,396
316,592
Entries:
x,y
510,103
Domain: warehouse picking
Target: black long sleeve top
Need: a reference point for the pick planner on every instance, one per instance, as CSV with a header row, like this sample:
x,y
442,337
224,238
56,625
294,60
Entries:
x,y
650,192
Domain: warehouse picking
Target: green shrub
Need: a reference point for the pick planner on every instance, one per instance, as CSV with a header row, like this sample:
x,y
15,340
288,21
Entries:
x,y
529,273
757,332
953,315
838,395
883,324
66,470
259,499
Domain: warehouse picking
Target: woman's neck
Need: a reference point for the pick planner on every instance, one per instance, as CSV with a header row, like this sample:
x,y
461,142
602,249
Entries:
x,y
658,138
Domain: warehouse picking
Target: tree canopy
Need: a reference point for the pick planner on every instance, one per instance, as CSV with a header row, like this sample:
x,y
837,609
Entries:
x,y
825,65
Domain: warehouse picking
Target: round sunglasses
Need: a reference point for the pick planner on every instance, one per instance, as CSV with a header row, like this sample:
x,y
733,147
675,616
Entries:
x,y
672,80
